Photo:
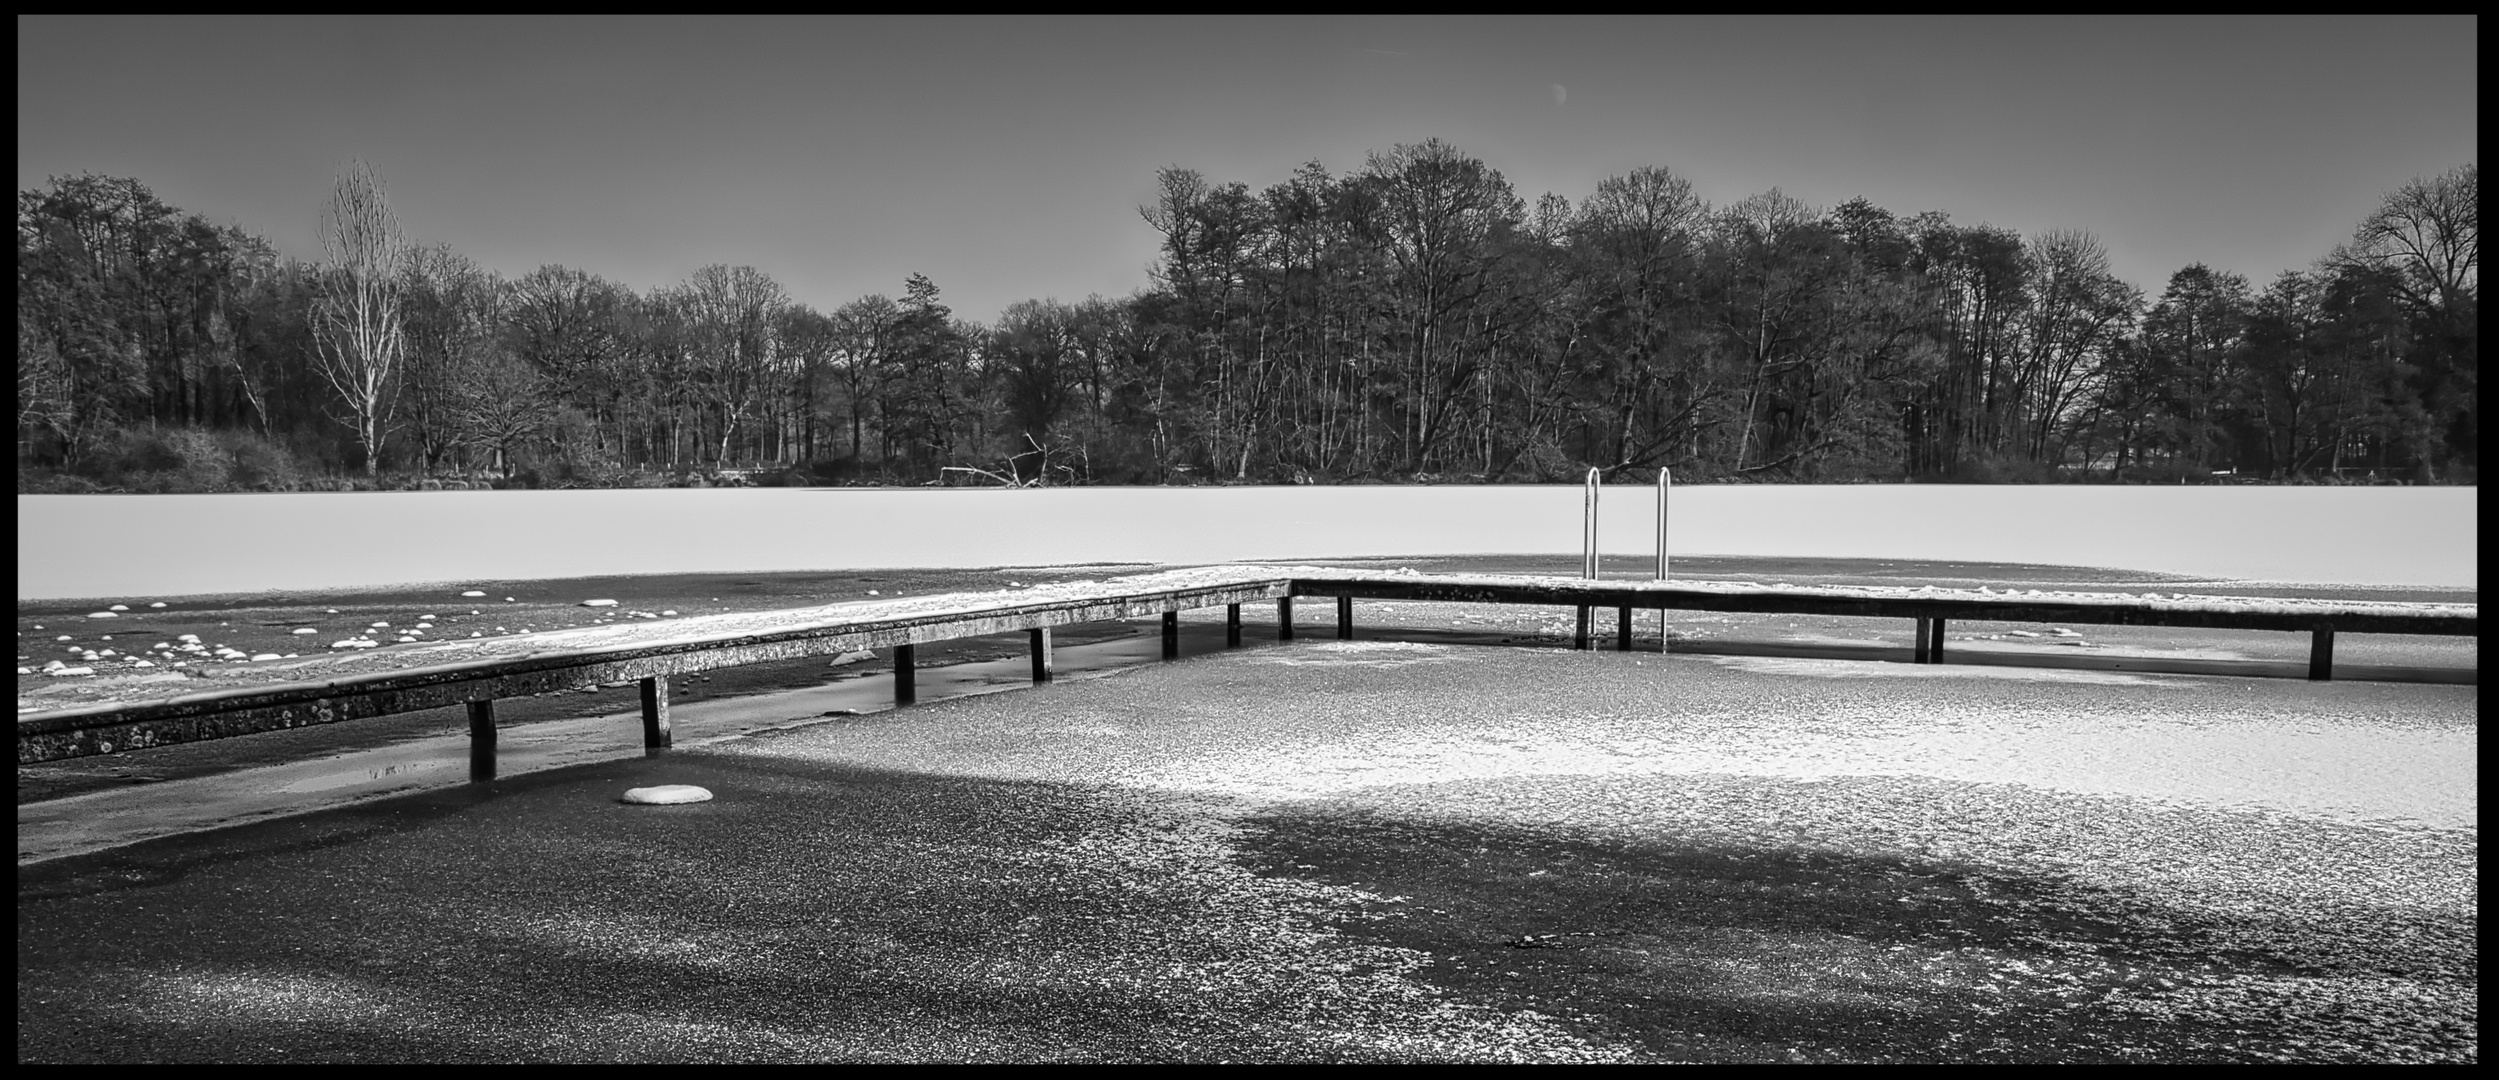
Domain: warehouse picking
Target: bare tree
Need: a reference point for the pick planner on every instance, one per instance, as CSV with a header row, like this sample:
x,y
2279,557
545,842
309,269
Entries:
x,y
2429,232
732,315
356,317
450,315
2078,313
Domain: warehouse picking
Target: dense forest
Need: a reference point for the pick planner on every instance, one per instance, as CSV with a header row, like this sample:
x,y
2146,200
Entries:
x,y
1415,321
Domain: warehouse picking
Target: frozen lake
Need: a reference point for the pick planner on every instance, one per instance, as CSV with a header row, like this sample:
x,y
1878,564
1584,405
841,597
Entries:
x,y
168,545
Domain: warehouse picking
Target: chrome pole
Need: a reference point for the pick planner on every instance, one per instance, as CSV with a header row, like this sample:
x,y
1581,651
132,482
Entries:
x,y
1588,530
1665,484
1587,557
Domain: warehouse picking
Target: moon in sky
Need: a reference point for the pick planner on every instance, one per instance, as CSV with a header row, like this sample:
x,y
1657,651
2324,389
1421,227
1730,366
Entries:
x,y
1561,93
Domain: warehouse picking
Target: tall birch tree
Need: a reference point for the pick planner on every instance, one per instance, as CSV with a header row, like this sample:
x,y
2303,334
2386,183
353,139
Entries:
x,y
357,337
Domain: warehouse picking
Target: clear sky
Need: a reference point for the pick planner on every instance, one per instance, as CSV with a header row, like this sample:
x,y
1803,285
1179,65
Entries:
x,y
1005,158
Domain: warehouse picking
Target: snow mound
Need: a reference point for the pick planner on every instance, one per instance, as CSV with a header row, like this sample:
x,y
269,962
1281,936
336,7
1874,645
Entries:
x,y
667,795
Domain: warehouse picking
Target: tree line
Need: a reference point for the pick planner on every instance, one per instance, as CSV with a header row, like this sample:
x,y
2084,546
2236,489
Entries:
x,y
1414,320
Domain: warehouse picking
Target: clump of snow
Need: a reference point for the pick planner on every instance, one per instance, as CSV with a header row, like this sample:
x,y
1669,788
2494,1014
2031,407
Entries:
x,y
258,657
134,663
159,603
667,795
188,639
474,592
849,658
120,607
510,600
64,671
102,615
664,614
64,637
598,603
2021,633
304,630
380,626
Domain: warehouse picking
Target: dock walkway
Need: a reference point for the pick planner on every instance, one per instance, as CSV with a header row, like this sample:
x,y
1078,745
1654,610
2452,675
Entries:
x,y
477,672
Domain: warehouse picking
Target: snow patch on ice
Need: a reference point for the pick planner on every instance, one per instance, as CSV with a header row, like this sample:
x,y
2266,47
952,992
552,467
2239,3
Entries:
x,y
1858,669
1355,654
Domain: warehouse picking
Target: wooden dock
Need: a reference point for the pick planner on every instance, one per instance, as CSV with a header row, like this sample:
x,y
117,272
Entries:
x,y
477,673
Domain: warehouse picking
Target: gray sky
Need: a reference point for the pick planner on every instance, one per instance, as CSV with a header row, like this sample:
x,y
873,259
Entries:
x,y
1005,158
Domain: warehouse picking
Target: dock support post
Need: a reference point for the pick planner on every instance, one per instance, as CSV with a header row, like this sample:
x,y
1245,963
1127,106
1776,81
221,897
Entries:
x,y
1232,626
1935,648
1622,629
1040,638
2321,655
1580,640
1171,635
1284,618
1661,627
1344,618
906,675
655,733
1926,627
481,741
